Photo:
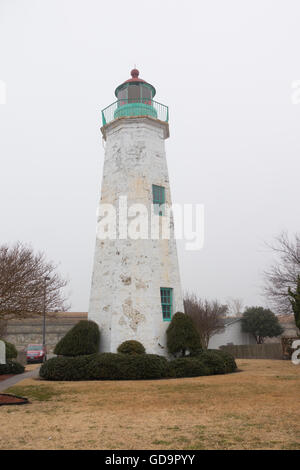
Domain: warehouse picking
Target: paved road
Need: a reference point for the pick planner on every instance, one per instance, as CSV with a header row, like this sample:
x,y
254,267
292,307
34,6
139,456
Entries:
x,y
17,378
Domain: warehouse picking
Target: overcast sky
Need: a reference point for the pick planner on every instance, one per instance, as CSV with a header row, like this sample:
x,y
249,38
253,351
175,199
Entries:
x,y
225,68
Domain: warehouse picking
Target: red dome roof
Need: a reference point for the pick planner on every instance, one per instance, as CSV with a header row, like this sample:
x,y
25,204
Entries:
x,y
135,79
135,76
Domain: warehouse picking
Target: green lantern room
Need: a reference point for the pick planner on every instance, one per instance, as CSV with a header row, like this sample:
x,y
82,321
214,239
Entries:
x,y
135,98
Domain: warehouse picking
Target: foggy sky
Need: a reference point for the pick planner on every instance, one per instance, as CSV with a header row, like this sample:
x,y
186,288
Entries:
x,y
224,68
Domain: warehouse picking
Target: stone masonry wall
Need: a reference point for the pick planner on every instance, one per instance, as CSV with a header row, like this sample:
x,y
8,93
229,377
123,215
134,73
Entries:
x,y
23,332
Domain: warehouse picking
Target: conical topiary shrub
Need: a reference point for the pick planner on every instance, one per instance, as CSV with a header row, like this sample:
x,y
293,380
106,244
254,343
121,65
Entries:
x,y
182,336
10,351
82,339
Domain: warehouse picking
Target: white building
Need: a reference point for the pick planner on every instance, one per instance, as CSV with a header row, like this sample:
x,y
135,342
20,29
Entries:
x,y
232,334
136,284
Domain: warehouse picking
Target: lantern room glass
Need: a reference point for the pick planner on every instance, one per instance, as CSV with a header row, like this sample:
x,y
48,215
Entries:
x,y
135,99
135,92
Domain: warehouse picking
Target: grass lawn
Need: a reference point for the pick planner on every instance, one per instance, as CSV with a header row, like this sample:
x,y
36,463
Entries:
x,y
257,408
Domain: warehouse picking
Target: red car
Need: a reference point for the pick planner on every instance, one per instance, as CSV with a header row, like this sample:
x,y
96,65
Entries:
x,y
36,353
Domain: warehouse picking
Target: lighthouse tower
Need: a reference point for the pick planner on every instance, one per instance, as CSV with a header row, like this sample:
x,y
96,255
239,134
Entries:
x,y
135,284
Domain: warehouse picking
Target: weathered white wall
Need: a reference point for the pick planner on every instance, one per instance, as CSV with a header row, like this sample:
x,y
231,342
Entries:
x,y
127,275
232,334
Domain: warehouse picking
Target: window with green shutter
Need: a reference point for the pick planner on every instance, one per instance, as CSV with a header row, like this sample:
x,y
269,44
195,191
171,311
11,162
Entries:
x,y
158,193
166,303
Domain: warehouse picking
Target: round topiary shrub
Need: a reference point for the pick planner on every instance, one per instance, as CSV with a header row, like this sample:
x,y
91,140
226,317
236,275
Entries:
x,y
230,363
131,347
145,366
213,360
106,366
11,367
182,336
189,367
10,351
82,339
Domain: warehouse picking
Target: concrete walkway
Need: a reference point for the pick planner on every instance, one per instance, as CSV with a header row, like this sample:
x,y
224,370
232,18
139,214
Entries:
x,y
17,378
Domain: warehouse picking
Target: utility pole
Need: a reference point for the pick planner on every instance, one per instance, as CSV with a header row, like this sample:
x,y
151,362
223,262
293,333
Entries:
x,y
44,310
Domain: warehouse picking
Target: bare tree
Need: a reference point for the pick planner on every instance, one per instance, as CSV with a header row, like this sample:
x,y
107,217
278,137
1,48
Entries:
x,y
23,275
283,274
208,316
235,306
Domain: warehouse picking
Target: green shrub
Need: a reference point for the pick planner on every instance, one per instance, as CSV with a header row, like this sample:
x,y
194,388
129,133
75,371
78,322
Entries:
x,y
82,339
66,368
218,362
11,367
228,358
189,367
111,366
131,347
128,366
261,322
10,351
146,366
106,366
182,336
213,361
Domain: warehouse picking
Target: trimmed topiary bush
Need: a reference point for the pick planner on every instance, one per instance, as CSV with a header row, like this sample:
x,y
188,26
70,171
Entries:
x,y
66,368
10,351
131,347
189,367
182,336
111,366
213,360
106,366
82,339
11,367
228,359
146,366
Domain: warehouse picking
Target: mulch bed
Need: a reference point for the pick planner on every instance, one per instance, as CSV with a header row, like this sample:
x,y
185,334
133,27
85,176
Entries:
x,y
6,399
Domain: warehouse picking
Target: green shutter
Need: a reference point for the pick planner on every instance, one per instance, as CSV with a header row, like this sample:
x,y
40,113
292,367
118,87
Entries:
x,y
166,295
158,193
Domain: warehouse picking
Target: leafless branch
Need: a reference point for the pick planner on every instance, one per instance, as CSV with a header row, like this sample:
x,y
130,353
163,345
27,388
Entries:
x,y
22,283
235,306
208,316
283,273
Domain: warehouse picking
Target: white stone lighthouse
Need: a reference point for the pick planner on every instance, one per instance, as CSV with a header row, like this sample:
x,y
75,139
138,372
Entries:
x,y
135,284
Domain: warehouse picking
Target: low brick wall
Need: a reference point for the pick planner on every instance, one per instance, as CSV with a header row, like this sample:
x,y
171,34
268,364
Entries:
x,y
255,351
23,332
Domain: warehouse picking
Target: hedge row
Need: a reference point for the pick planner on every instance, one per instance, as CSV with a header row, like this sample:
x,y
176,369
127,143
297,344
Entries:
x,y
106,366
210,362
111,366
11,367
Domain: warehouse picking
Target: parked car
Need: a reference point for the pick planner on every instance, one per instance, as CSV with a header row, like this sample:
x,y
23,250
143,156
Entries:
x,y
36,353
